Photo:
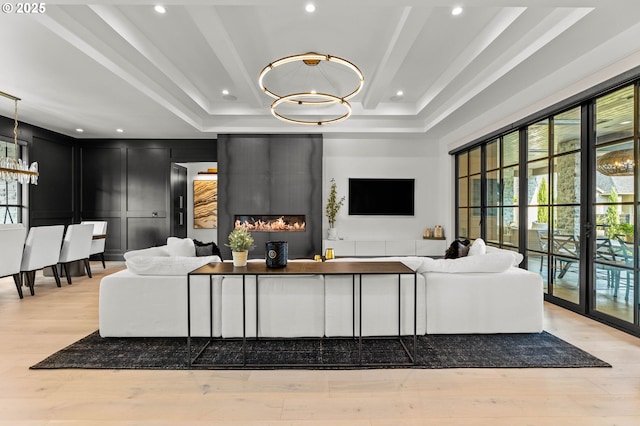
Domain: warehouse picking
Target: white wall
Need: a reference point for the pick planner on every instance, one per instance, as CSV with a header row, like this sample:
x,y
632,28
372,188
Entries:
x,y
389,156
204,235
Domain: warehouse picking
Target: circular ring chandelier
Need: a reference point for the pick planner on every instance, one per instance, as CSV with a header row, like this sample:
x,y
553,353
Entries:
x,y
311,99
311,59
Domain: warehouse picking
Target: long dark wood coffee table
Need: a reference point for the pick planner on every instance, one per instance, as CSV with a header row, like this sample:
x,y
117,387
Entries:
x,y
258,269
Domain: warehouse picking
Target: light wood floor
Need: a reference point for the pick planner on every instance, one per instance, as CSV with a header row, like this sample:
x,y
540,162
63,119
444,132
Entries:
x,y
35,327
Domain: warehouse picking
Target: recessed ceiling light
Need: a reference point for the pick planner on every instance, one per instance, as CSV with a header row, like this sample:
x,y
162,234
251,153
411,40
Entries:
x,y
160,9
225,92
397,97
310,8
119,130
79,130
456,11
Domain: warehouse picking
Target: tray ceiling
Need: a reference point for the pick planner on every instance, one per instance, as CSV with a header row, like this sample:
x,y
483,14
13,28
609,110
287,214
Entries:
x,y
116,64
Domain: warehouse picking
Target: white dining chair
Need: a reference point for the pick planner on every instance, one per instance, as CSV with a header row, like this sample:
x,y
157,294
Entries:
x,y
99,238
41,250
76,246
12,238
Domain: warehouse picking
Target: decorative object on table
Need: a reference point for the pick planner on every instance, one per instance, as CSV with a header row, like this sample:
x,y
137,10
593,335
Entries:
x,y
332,208
438,232
240,242
276,254
427,233
329,254
15,169
317,258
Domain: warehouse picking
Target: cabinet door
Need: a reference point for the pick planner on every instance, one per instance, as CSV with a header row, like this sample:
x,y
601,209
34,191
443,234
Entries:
x,y
370,248
148,173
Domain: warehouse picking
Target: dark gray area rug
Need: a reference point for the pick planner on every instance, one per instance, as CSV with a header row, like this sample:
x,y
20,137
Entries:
x,y
533,350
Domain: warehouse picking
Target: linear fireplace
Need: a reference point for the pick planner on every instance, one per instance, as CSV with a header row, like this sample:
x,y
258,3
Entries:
x,y
271,223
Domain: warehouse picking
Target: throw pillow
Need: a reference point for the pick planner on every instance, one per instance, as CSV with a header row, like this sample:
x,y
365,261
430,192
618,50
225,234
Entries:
x,y
478,247
207,249
517,257
181,247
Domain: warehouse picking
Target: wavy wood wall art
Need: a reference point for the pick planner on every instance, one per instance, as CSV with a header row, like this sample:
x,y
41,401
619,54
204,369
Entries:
x,y
205,204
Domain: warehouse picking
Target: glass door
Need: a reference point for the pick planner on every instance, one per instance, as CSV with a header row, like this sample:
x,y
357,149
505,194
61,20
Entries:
x,y
615,207
564,191
553,194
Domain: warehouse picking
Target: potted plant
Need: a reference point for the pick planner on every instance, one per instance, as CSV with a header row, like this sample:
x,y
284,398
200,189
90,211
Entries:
x,y
332,208
240,242
627,230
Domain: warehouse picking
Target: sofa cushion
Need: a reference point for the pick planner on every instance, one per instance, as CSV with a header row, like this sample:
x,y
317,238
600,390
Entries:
x,y
181,247
517,257
490,262
172,265
151,251
477,247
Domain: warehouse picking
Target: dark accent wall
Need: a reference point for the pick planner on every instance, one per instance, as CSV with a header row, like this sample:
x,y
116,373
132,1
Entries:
x,y
51,202
127,183
271,174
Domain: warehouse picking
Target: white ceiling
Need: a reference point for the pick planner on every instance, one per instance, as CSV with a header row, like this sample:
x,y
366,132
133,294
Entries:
x,y
117,64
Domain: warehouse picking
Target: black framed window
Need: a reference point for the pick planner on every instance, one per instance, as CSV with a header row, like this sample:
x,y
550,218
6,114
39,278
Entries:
x,y
10,192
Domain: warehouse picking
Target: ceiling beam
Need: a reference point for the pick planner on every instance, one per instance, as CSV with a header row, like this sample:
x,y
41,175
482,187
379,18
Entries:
x,y
130,33
491,32
82,38
547,30
408,27
210,24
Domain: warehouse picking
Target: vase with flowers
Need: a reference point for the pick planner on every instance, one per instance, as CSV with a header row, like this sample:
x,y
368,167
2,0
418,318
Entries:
x,y
332,208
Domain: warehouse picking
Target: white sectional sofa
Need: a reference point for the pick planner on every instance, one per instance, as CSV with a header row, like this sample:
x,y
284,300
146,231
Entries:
x,y
482,293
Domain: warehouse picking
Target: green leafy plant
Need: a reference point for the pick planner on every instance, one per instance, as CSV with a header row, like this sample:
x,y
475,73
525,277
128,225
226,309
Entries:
x,y
333,204
543,200
626,229
612,218
240,239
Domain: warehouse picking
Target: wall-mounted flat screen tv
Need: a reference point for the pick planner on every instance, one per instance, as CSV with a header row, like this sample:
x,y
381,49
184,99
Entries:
x,y
393,197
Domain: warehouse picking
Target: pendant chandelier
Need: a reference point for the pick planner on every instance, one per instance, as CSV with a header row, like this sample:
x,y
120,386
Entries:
x,y
616,163
311,84
15,169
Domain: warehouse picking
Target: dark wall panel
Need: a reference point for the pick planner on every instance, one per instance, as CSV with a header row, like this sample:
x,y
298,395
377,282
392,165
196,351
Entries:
x,y
122,181
271,174
51,202
148,181
131,186
101,177
144,232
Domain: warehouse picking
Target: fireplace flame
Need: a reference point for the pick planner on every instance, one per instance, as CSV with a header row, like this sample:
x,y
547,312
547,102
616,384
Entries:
x,y
272,225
